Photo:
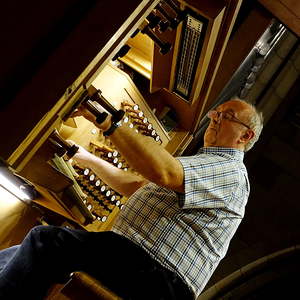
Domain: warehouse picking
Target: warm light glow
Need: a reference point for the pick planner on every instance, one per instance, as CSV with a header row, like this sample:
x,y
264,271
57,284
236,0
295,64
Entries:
x,y
7,201
15,190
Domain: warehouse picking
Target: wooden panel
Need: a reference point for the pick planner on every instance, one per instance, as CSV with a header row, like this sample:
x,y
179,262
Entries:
x,y
16,219
179,142
183,110
126,91
204,61
253,27
139,57
213,13
84,286
207,8
38,166
232,10
287,11
48,201
162,64
82,134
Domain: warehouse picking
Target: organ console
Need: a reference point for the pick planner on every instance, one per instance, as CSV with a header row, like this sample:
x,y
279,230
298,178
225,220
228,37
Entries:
x,y
162,54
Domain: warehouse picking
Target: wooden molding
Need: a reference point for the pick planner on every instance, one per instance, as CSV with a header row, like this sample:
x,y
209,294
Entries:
x,y
287,11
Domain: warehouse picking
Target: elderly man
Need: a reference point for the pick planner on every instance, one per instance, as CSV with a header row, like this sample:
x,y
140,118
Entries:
x,y
175,228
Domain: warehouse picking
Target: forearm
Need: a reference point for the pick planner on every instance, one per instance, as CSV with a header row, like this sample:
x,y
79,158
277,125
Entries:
x,y
125,183
148,158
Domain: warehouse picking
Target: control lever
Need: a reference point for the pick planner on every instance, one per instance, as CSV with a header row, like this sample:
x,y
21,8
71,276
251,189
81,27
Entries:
x,y
155,20
88,101
117,115
92,108
173,22
70,149
165,47
181,14
122,52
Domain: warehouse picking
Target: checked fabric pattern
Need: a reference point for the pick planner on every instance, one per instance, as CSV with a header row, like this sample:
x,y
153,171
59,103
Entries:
x,y
190,233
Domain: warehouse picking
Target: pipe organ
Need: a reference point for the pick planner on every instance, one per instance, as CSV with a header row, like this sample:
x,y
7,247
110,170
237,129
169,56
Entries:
x,y
152,61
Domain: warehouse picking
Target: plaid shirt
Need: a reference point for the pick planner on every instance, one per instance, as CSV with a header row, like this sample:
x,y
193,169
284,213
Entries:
x,y
190,233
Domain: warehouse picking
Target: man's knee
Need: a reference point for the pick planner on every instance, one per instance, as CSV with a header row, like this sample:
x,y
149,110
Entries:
x,y
44,236
41,231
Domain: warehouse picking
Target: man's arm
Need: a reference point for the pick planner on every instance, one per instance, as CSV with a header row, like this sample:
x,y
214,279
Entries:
x,y
125,183
149,159
143,154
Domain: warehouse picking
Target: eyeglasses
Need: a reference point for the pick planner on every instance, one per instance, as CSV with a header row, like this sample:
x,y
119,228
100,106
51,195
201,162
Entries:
x,y
219,115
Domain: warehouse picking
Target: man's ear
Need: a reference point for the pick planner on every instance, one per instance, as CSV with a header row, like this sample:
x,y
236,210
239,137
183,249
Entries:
x,y
247,136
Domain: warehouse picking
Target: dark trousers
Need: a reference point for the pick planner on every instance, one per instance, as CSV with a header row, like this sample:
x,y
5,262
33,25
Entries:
x,y
49,254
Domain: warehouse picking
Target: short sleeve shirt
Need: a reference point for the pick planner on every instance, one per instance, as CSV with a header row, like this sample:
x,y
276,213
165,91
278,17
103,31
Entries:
x,y
190,233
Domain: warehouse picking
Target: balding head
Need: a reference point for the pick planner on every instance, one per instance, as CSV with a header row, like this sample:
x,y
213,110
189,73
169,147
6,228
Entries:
x,y
235,124
254,121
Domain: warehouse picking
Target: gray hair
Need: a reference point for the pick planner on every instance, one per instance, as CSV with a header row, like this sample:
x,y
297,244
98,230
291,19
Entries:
x,y
256,123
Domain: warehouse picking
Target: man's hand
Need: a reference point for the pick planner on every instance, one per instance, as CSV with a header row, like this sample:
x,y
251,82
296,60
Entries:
x,y
125,183
84,112
82,156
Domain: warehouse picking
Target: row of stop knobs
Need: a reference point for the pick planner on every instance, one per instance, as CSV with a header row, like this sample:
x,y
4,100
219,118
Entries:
x,y
136,119
101,199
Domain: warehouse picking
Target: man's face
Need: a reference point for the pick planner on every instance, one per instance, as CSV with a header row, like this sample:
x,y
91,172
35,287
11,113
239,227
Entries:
x,y
224,129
